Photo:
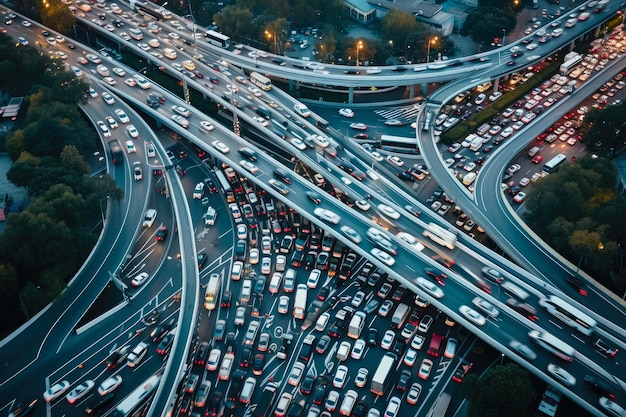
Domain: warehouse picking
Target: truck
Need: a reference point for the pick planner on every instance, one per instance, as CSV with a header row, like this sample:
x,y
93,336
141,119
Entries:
x,y
400,315
383,374
299,306
266,402
356,325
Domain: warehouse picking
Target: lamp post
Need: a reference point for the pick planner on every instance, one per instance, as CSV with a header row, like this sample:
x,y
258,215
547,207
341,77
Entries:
x,y
430,41
358,48
269,36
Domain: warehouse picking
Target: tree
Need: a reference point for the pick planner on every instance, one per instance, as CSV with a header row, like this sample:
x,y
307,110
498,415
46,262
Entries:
x,y
237,22
604,130
503,391
56,15
397,26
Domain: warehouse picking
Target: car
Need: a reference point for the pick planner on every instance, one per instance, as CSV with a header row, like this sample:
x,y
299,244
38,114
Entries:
x,y
394,160
417,342
130,146
385,308
240,316
425,369
351,234
327,215
601,346
341,375
384,290
278,186
429,287
472,315
403,380
161,234
561,375
283,304
345,112
332,399
140,279
519,197
611,407
180,120
600,385
358,126
389,211
296,374
486,307
80,391
109,385
383,256
56,391
414,393
410,356
249,166
313,279
358,349
388,339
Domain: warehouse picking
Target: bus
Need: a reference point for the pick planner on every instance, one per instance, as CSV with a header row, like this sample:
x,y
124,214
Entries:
x,y
390,140
428,120
151,11
571,63
439,235
386,369
133,404
299,305
212,292
553,345
569,315
217,39
553,164
260,81
441,406
228,191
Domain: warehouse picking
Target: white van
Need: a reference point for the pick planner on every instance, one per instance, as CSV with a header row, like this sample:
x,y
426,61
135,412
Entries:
x,y
210,216
247,390
348,403
137,354
476,144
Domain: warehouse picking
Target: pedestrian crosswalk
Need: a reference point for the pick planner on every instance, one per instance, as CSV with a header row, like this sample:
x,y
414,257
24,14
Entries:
x,y
404,113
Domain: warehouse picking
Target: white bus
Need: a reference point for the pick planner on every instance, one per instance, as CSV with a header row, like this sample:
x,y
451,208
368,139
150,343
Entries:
x,y
132,405
568,314
299,306
260,81
398,141
567,66
439,235
212,292
553,164
553,345
217,39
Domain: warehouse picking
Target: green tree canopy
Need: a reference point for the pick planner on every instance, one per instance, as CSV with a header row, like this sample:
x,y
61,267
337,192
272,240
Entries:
x,y
502,391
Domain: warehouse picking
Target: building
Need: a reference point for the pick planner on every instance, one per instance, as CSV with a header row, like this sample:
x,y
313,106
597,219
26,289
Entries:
x,y
361,11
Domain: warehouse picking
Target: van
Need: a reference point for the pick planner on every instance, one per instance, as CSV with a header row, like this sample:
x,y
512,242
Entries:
x,y
514,291
137,354
481,88
476,143
348,403
425,324
533,151
246,291
483,129
170,53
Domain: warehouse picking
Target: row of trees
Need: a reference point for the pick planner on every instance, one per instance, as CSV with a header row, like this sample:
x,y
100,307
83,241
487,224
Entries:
x,y
578,213
42,247
491,20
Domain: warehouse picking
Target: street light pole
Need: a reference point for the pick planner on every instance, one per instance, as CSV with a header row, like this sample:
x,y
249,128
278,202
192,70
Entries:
x,y
358,48
430,40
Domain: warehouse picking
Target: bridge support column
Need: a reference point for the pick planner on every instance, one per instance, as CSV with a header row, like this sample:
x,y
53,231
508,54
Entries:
x,y
350,95
294,86
424,89
570,47
412,91
596,32
496,84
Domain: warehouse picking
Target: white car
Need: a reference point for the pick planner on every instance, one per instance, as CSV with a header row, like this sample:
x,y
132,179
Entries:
x,y
425,368
109,385
387,339
320,141
122,116
383,256
562,375
131,82
80,391
314,278
394,160
112,123
104,129
345,112
358,349
358,126
132,131
327,215
56,391
357,299
486,307
220,146
298,144
150,151
417,342
410,357
140,279
130,146
266,265
362,204
249,166
351,234
472,315
263,121
180,120
207,125
389,211
341,374
429,287
283,304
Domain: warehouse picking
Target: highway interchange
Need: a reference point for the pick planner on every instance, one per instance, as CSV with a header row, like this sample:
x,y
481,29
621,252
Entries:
x,y
509,325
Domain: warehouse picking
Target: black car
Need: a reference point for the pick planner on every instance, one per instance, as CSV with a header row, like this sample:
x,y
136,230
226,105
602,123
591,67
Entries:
x,y
319,396
601,346
117,357
372,337
307,384
166,344
404,380
360,409
257,364
323,293
281,175
45,33
201,353
161,234
226,299
600,386
322,344
247,153
246,355
314,197
202,257
214,404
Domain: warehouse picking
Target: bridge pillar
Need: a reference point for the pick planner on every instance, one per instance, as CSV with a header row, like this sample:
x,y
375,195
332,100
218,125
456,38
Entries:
x,y
294,86
496,84
350,95
570,47
596,32
412,91
424,89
